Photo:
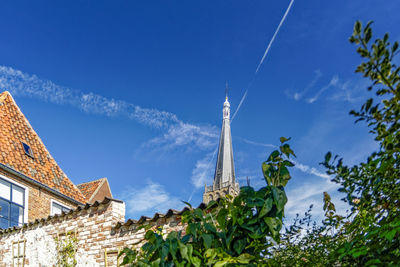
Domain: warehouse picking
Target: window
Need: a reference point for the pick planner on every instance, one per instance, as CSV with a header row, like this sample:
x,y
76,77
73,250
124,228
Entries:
x,y
12,200
57,208
27,149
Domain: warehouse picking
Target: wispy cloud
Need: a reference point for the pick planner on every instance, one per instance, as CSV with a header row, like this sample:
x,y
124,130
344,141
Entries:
x,y
177,132
298,95
185,134
351,91
302,196
333,82
203,170
310,170
149,199
247,141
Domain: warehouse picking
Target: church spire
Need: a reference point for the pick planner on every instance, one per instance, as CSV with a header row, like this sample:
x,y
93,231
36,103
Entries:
x,y
224,176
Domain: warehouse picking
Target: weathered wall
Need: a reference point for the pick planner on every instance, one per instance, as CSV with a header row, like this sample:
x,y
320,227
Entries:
x,y
99,228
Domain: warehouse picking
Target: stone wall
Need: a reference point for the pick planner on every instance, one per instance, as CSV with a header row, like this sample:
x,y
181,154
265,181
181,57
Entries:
x,y
100,230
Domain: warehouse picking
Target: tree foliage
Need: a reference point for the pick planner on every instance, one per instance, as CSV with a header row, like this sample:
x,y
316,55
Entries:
x,y
247,230
228,232
370,234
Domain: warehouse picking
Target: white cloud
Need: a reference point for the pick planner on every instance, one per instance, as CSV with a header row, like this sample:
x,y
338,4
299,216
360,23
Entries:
x,y
184,134
301,197
203,170
177,132
351,91
149,199
247,141
310,170
333,82
298,95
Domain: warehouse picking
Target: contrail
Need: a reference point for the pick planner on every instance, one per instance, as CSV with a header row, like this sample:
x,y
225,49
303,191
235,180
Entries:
x,y
273,37
240,104
263,58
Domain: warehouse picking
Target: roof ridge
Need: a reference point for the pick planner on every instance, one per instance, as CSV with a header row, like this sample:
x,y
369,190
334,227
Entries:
x,y
3,95
103,178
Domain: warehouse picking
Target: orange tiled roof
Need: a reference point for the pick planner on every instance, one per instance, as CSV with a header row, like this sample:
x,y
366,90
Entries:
x,y
89,188
15,129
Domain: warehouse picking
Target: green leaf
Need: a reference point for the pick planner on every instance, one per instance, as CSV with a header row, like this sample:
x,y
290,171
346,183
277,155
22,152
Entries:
x,y
274,154
245,258
184,251
274,226
280,198
395,46
328,157
389,235
221,263
210,253
368,35
266,171
266,207
239,245
150,236
284,139
207,239
221,217
357,28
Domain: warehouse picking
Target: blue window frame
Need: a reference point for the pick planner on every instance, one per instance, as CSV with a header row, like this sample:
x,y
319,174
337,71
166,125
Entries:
x,y
27,149
12,204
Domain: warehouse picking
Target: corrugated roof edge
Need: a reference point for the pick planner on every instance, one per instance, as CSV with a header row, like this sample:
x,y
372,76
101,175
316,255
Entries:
x,y
155,218
63,214
143,219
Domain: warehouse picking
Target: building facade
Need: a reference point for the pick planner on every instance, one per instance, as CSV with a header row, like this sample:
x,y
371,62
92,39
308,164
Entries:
x,y
224,176
32,185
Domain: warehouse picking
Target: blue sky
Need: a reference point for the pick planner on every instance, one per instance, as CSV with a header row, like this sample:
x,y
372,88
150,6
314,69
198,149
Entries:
x,y
133,90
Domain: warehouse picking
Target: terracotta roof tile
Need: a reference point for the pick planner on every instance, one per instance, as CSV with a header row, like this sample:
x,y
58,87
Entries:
x,y
16,129
89,188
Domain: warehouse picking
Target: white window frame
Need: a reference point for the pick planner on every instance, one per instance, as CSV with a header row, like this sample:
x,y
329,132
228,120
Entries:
x,y
58,203
26,196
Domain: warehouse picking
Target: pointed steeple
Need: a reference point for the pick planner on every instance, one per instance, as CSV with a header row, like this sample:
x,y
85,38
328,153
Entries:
x,y
224,176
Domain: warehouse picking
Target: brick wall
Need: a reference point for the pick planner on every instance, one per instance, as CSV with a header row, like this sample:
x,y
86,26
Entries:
x,y
103,191
39,199
99,228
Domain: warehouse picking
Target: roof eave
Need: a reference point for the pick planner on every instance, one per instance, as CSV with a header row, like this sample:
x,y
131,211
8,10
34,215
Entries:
x,y
39,184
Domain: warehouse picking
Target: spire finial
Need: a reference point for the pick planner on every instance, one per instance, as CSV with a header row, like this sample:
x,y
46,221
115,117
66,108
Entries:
x,y
226,90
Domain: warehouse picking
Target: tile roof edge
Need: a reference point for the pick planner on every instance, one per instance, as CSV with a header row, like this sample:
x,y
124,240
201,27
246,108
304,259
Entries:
x,y
92,181
35,182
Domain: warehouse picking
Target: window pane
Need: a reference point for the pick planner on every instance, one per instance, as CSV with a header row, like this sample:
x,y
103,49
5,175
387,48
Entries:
x,y
18,194
14,224
17,214
3,223
56,209
4,189
4,209
64,209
